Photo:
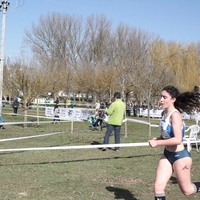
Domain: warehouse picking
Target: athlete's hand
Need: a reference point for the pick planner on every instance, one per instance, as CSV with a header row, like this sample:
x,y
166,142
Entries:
x,y
153,142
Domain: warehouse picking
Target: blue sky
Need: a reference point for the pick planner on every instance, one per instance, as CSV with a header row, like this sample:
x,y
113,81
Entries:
x,y
172,20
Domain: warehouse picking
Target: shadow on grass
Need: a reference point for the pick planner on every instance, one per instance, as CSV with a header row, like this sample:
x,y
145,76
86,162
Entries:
x,y
13,152
71,161
121,193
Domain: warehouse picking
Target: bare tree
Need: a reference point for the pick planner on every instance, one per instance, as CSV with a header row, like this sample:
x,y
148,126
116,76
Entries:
x,y
25,80
94,59
55,41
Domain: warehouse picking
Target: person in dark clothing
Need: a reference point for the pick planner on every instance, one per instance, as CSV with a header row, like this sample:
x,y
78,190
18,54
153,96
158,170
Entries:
x,y
56,112
15,106
57,101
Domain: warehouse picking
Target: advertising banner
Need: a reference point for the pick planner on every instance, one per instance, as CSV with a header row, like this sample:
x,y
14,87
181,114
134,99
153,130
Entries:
x,y
69,113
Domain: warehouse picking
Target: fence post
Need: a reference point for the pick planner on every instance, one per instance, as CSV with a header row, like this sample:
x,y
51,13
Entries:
x,y
72,126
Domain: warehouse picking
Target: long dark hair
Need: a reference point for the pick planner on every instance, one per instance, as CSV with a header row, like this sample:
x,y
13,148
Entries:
x,y
186,101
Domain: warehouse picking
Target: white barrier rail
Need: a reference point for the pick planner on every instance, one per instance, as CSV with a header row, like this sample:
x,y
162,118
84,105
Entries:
x,y
84,147
79,147
35,122
36,116
27,137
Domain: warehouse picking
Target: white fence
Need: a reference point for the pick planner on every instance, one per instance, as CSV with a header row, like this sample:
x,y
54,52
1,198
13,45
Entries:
x,y
155,113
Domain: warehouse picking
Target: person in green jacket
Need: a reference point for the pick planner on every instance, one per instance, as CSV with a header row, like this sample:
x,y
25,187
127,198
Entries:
x,y
116,112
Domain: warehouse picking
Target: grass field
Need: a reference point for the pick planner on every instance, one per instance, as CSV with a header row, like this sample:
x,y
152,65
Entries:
x,y
81,174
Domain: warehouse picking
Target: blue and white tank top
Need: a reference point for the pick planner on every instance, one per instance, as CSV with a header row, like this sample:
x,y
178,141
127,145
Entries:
x,y
166,127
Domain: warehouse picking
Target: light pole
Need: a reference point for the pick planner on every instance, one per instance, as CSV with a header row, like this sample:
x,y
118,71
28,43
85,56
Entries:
x,y
3,8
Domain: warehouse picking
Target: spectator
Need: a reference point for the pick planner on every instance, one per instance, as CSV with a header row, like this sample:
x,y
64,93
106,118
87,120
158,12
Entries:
x,y
135,108
101,116
102,105
97,105
69,103
1,125
93,122
15,105
47,102
56,112
107,104
57,101
129,107
72,103
116,112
